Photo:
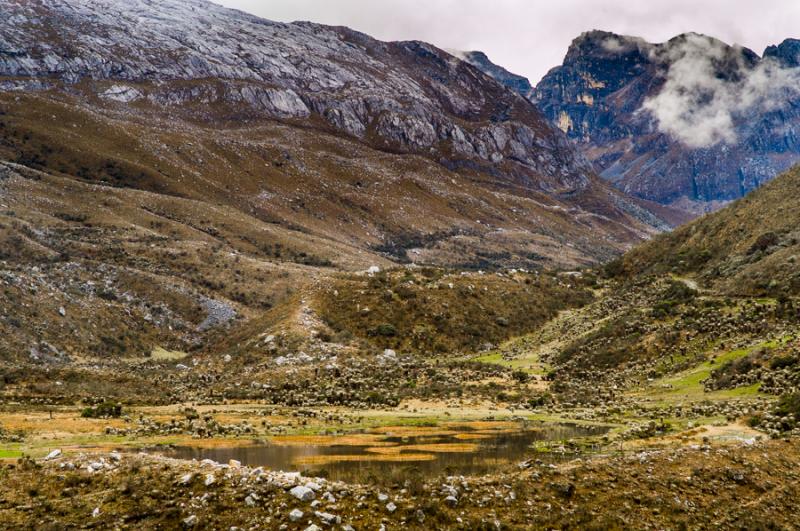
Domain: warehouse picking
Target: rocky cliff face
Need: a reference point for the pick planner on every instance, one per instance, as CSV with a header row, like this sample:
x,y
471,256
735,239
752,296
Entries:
x,y
692,122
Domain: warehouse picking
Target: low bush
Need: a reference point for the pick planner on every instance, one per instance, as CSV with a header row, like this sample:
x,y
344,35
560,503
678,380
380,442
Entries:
x,y
104,410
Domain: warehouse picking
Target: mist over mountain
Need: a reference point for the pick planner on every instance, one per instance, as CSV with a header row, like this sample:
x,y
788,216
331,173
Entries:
x,y
692,122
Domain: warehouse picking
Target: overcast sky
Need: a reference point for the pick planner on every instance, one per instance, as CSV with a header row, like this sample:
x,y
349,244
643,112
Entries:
x,y
531,36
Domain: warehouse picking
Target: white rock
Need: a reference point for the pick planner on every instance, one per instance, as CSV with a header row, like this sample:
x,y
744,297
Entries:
x,y
391,507
121,93
190,521
53,455
382,497
373,270
210,479
328,518
302,493
186,478
96,512
295,515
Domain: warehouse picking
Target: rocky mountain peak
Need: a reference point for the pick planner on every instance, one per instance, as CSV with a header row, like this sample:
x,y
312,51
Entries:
x,y
597,44
481,61
786,53
407,96
692,122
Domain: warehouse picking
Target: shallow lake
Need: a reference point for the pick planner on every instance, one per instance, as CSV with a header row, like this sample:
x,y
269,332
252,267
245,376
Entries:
x,y
399,451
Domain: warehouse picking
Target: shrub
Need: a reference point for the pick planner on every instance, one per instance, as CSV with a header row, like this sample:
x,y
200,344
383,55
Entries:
x,y
385,330
781,362
104,410
763,242
520,376
679,292
789,405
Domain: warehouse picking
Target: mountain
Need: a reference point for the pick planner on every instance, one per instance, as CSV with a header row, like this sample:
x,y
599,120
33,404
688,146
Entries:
x,y
693,122
749,248
481,61
398,148
172,169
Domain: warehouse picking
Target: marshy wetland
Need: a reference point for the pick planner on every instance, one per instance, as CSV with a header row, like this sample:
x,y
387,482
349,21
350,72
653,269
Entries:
x,y
467,448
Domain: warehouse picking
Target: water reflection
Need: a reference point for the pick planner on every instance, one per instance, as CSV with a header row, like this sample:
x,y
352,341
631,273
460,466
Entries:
x,y
442,451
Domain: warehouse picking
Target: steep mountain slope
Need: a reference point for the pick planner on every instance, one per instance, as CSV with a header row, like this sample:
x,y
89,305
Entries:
x,y
179,176
748,248
481,61
303,124
692,122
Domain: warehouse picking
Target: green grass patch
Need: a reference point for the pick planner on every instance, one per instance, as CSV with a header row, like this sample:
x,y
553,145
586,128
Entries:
x,y
689,383
528,363
9,454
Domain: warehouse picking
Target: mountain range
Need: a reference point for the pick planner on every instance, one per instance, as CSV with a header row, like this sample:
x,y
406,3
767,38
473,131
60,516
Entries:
x,y
397,148
693,122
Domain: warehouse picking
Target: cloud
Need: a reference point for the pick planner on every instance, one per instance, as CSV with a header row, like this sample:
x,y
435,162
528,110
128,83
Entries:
x,y
620,44
711,87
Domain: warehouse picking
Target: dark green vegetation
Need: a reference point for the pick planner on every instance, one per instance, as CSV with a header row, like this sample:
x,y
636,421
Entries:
x,y
105,410
438,312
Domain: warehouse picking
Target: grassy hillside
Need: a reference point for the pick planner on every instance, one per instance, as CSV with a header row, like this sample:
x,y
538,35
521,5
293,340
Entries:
x,y
406,206
749,248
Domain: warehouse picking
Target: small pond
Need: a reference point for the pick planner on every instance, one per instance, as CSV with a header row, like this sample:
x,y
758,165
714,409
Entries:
x,y
461,449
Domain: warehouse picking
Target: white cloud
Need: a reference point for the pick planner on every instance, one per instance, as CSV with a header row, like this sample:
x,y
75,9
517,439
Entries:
x,y
710,87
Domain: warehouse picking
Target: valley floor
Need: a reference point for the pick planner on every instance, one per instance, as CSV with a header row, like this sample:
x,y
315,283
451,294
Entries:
x,y
660,405
750,486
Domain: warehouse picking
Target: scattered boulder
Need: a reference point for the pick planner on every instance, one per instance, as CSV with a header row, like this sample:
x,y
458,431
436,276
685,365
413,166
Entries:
x,y
52,455
302,493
